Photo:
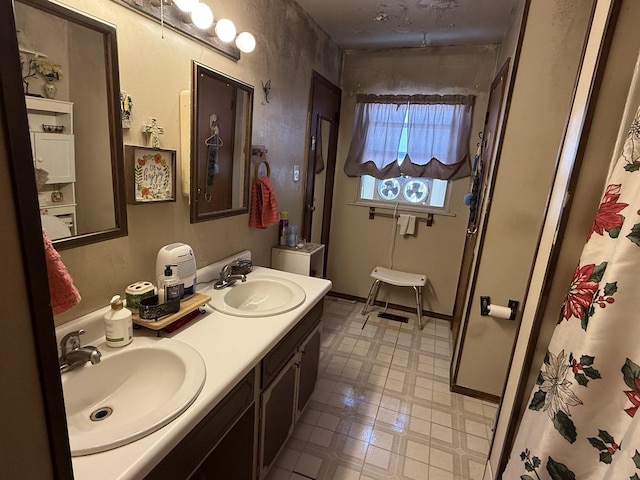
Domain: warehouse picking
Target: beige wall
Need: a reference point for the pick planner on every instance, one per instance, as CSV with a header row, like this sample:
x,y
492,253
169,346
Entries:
x,y
154,70
358,244
545,80
87,91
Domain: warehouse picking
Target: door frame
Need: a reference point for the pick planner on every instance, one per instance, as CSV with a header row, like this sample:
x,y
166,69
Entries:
x,y
325,102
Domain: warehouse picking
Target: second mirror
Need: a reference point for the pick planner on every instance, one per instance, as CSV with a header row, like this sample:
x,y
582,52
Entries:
x,y
221,114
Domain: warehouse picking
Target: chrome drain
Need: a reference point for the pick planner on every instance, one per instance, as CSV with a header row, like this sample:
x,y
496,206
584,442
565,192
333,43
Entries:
x,y
101,414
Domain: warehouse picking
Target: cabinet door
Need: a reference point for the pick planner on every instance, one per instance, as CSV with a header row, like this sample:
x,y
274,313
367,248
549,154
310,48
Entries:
x,y
55,153
278,411
233,456
308,374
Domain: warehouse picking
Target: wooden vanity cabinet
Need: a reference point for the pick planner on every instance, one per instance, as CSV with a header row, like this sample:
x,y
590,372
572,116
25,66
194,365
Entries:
x,y
242,436
308,370
287,387
222,445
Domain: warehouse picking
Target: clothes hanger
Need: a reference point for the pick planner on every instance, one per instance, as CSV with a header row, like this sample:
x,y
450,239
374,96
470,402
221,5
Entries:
x,y
215,132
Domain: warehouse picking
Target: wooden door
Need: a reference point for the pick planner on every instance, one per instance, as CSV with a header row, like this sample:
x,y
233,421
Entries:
x,y
485,166
325,112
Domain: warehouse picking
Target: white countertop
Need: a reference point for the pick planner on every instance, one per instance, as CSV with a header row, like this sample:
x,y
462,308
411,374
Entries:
x,y
230,347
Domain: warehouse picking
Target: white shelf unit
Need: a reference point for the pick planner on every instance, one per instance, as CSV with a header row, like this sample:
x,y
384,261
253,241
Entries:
x,y
55,153
308,260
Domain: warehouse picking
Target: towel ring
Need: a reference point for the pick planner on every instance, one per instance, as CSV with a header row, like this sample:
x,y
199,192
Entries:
x,y
257,167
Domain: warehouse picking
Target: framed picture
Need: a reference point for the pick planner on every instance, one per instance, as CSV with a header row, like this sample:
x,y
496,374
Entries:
x,y
151,174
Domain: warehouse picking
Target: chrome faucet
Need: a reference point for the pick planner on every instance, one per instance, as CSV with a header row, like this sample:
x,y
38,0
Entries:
x,y
72,354
228,278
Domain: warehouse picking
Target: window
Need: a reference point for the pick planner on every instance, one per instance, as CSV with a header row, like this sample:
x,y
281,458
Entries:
x,y
406,148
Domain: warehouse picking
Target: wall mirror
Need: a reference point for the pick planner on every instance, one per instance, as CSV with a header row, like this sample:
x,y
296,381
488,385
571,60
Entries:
x,y
72,92
221,115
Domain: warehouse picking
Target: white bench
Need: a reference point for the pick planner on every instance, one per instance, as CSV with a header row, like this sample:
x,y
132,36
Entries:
x,y
398,279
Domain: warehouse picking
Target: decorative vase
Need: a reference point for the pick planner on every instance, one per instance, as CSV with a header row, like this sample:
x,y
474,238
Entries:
x,y
50,89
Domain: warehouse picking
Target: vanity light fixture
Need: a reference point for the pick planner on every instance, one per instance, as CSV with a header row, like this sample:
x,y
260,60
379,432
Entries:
x,y
246,42
185,6
225,30
195,19
202,16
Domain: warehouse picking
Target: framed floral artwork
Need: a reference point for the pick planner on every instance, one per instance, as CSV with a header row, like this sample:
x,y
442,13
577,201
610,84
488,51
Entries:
x,y
151,174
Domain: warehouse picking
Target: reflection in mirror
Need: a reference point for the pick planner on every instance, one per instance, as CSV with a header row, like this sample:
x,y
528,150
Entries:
x,y
322,153
220,144
70,77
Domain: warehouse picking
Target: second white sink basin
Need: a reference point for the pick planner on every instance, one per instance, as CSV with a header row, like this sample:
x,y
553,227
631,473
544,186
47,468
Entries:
x,y
131,393
259,296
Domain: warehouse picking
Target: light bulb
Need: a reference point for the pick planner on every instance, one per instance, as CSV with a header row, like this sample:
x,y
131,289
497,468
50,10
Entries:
x,y
202,16
246,42
225,30
185,5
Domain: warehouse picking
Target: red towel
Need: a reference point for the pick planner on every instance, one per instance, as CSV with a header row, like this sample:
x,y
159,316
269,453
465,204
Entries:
x,y
264,208
62,291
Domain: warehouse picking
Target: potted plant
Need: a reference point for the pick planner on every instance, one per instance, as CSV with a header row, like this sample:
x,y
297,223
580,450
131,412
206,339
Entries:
x,y
51,72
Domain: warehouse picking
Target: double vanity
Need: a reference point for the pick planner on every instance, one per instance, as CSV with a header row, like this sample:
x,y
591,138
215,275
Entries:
x,y
216,398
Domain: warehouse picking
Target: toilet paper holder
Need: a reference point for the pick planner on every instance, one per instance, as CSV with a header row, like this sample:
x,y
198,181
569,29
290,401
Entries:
x,y
485,307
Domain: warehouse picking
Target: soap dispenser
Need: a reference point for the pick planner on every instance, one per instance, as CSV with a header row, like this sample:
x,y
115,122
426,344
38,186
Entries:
x,y
168,285
118,328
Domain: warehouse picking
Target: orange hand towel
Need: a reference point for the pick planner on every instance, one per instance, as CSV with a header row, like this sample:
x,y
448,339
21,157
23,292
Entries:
x,y
264,208
62,291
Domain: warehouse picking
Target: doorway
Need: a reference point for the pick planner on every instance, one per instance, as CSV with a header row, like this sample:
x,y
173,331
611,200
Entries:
x,y
324,122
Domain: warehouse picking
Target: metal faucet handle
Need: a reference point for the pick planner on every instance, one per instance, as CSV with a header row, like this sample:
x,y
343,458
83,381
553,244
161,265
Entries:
x,y
70,342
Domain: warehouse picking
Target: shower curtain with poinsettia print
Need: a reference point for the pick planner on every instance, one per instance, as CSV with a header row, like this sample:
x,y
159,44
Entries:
x,y
582,422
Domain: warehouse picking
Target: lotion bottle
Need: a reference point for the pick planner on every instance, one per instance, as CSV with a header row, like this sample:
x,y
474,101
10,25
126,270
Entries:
x,y
118,327
168,285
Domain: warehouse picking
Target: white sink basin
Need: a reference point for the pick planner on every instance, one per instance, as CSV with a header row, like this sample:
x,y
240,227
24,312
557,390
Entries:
x,y
132,392
259,296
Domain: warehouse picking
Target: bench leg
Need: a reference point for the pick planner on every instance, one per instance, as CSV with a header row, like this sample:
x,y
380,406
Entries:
x,y
419,305
373,293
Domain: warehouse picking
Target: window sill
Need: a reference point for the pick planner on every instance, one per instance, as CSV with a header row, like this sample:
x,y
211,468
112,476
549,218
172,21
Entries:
x,y
404,208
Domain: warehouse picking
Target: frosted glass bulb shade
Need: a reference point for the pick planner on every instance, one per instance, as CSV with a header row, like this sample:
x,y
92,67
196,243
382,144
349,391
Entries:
x,y
185,5
246,42
202,16
225,30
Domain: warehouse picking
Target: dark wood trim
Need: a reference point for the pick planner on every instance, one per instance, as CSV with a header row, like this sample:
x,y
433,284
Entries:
x,y
470,392
16,131
120,228
318,109
499,143
395,306
521,391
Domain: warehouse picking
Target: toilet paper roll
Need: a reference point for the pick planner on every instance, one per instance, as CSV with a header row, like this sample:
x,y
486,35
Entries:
x,y
499,311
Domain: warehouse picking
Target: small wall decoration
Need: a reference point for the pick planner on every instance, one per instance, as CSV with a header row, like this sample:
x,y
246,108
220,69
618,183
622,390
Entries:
x,y
126,105
154,130
151,174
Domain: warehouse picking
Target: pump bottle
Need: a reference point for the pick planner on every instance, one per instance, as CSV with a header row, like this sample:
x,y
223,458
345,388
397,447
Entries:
x,y
118,327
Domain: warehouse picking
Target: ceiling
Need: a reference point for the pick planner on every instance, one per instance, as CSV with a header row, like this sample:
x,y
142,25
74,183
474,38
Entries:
x,y
359,24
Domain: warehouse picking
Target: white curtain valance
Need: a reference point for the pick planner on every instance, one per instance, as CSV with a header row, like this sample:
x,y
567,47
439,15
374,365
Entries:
x,y
438,132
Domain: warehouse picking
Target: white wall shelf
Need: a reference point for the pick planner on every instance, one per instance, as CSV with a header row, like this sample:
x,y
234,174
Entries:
x,y
55,153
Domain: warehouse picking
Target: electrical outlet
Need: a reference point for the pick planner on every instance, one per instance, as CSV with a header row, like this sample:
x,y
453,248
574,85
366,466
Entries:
x,y
296,173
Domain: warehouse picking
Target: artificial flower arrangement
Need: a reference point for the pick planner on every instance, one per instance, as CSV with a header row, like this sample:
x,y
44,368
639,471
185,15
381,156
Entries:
x,y
49,70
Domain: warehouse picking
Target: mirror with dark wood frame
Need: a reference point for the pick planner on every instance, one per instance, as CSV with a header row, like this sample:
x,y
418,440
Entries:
x,y
221,115
72,93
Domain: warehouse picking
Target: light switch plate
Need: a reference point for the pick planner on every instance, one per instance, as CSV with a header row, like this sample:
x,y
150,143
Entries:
x,y
296,173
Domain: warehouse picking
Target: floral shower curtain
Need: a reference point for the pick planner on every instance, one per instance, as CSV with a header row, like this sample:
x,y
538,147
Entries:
x,y
581,420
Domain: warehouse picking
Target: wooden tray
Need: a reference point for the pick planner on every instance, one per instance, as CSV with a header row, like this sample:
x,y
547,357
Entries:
x,y
186,306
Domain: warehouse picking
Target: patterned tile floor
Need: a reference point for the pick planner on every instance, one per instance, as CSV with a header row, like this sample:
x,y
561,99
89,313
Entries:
x,y
382,407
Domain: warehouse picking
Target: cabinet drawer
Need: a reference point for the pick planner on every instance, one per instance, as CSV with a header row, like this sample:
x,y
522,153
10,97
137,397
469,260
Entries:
x,y
185,458
282,352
